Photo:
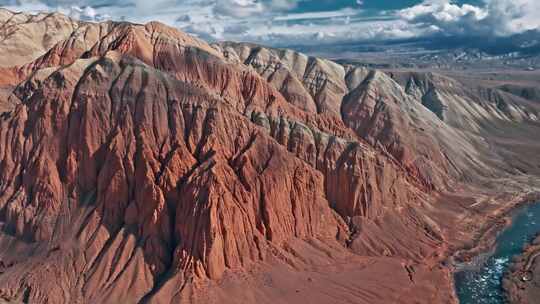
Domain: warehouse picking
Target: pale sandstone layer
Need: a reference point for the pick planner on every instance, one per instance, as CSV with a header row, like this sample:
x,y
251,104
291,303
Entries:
x,y
140,164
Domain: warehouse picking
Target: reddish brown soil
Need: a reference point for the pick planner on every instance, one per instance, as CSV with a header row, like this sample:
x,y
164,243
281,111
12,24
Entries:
x,y
141,165
522,281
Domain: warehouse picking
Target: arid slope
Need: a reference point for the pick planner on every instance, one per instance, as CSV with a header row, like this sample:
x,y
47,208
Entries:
x,y
139,164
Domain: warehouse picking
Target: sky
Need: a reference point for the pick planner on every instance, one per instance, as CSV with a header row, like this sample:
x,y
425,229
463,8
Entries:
x,y
309,22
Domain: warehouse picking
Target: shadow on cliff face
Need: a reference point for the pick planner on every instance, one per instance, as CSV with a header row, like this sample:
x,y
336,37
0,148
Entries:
x,y
156,177
138,178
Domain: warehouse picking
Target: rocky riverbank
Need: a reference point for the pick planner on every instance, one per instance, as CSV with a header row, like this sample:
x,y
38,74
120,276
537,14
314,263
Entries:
x,y
522,282
485,238
479,270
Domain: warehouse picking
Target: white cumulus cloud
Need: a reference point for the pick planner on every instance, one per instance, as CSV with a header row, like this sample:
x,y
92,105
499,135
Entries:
x,y
284,22
493,18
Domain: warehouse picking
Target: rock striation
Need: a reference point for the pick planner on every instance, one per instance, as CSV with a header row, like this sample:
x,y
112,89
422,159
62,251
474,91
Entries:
x,y
139,164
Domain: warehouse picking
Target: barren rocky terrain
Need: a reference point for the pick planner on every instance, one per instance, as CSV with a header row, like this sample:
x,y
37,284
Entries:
x,y
522,281
139,164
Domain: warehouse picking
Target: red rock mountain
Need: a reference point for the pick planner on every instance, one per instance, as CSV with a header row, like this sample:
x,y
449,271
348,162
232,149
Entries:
x,y
139,164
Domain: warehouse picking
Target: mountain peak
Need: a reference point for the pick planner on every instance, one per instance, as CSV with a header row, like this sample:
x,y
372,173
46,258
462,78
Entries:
x,y
140,164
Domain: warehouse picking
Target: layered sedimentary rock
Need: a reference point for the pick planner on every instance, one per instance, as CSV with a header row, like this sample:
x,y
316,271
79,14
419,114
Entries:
x,y
25,37
140,164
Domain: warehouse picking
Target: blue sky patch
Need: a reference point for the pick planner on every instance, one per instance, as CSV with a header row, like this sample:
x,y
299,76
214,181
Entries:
x,y
284,22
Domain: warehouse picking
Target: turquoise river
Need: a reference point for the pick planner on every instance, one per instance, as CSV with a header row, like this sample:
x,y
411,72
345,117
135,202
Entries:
x,y
483,284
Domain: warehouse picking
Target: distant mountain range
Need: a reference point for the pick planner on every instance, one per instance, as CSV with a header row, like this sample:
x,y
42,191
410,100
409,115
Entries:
x,y
139,164
520,50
